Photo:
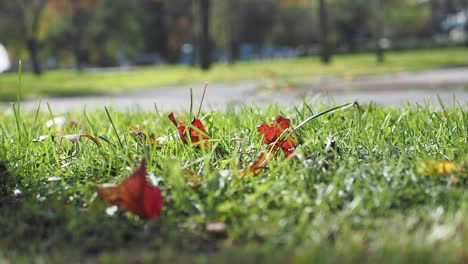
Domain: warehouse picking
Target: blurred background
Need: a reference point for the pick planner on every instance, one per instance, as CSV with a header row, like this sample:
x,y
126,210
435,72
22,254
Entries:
x,y
86,34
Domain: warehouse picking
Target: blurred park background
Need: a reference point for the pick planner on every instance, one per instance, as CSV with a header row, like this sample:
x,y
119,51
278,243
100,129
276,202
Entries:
x,y
209,39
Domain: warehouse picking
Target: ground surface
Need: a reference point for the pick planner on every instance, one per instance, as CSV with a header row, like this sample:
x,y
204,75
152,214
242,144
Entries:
x,y
275,74
416,88
368,185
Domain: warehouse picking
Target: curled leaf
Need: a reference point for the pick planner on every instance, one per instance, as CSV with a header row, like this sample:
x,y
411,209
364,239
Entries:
x,y
135,194
257,166
196,132
272,133
75,138
141,137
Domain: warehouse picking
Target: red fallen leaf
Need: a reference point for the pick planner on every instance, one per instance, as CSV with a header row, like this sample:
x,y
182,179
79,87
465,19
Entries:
x,y
135,194
198,134
75,138
272,132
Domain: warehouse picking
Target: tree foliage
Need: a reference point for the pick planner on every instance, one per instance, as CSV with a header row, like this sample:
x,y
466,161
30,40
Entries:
x,y
111,32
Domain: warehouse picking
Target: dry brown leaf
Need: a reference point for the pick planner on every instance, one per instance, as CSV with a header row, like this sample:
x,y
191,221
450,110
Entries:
x,y
74,138
257,166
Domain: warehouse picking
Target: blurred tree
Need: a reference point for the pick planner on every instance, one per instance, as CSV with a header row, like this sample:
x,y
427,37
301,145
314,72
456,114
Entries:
x,y
407,19
231,11
256,20
378,31
116,32
98,32
180,24
324,42
204,35
224,25
155,37
351,20
25,17
436,15
77,16
293,22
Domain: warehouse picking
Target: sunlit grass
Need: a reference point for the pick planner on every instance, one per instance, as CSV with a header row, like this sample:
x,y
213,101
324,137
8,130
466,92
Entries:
x,y
70,83
365,201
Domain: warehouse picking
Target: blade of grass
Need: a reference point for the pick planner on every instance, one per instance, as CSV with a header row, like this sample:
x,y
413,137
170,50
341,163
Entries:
x,y
309,119
20,73
441,103
113,127
191,104
201,102
157,110
331,110
33,127
17,109
89,121
3,131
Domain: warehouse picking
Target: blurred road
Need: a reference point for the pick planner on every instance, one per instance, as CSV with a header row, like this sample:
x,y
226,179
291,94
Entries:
x,y
448,85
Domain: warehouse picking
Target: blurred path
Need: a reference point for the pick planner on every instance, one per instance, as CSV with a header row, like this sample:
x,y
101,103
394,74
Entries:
x,y
395,90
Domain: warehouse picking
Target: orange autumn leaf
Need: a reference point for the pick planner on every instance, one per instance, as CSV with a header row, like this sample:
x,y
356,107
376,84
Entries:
x,y
135,194
271,135
197,132
257,166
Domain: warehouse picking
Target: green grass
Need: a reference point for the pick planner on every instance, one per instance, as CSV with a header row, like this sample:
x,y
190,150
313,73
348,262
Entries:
x,y
290,72
370,204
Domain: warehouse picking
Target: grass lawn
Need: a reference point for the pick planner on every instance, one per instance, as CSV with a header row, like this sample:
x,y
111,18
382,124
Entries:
x,y
300,71
374,196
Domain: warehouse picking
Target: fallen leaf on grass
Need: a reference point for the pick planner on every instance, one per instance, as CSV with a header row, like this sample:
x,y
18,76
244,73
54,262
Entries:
x,y
75,138
153,141
272,133
192,178
441,168
135,194
257,166
196,131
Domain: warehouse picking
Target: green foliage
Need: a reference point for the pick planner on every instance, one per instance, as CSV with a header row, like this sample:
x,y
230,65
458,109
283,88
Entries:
x,y
117,30
413,20
114,32
362,202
